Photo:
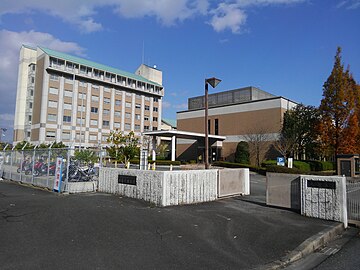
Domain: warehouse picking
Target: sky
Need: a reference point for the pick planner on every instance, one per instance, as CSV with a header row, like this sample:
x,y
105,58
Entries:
x,y
285,47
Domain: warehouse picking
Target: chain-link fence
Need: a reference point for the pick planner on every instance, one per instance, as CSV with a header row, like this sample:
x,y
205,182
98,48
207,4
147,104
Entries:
x,y
38,166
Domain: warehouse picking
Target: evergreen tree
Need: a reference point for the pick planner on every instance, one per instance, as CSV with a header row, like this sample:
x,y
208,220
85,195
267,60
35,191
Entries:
x,y
242,154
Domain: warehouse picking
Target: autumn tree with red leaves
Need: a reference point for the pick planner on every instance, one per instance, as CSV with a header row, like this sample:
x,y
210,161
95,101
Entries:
x,y
339,112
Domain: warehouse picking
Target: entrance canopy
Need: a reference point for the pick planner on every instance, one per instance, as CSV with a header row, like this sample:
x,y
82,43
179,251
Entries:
x,y
178,134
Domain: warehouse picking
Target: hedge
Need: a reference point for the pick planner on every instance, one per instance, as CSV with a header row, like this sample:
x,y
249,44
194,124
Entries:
x,y
306,165
158,162
238,165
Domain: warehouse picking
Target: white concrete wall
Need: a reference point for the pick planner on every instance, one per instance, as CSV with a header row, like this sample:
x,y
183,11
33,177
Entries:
x,y
163,188
233,182
324,203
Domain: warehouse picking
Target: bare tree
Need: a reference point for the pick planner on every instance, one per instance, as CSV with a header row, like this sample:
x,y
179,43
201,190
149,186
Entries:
x,y
284,145
259,141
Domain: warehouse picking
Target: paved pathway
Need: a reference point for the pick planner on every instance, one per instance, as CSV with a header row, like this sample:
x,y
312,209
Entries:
x,y
43,230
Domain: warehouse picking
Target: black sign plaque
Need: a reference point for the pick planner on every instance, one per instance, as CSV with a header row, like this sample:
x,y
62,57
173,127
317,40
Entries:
x,y
127,179
321,184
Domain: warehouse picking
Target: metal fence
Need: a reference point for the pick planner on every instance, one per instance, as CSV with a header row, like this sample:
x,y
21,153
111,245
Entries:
x,y
37,166
353,199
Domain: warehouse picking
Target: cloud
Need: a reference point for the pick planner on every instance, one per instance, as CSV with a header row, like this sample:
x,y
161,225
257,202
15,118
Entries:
x,y
166,105
10,43
228,16
349,4
81,12
232,14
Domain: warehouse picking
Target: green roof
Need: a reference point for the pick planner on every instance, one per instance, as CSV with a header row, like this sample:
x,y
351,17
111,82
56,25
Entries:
x,y
170,122
92,64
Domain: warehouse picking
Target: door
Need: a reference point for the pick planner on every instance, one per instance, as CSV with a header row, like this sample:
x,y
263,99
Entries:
x,y
345,167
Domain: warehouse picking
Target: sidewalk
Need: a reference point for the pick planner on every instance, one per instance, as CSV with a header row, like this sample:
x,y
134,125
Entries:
x,y
43,230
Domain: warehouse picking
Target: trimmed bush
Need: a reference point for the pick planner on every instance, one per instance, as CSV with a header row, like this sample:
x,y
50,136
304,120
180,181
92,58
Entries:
x,y
283,169
165,162
302,166
238,165
268,163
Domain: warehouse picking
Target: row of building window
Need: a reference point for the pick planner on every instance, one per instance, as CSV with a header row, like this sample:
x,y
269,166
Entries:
x,y
66,135
94,122
99,74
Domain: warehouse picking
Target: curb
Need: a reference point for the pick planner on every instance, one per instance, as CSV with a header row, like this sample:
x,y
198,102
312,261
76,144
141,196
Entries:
x,y
308,246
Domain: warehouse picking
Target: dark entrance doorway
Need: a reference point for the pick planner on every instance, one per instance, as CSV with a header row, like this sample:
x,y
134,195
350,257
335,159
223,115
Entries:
x,y
345,167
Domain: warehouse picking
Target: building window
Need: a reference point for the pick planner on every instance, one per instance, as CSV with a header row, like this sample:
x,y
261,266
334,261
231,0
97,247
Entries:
x,y
95,86
137,106
93,122
146,128
106,123
104,138
82,96
67,119
53,91
66,136
127,127
117,102
93,137
147,108
116,125
81,108
51,117
54,77
155,119
29,118
94,110
95,98
154,128
68,93
209,126
80,121
50,134
69,79
128,94
156,99
137,116
106,111
78,137
30,105
146,118
107,100
52,104
117,113
127,104
147,98
138,96
155,109
216,126
67,106
127,115
137,127
106,89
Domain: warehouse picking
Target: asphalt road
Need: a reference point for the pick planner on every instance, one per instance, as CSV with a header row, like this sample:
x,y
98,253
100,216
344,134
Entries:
x,y
44,230
347,258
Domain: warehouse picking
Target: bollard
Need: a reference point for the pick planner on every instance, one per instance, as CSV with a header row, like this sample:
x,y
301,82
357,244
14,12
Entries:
x,y
171,167
153,166
149,166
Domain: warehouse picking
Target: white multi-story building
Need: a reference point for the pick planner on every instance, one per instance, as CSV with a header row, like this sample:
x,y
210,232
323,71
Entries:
x,y
65,98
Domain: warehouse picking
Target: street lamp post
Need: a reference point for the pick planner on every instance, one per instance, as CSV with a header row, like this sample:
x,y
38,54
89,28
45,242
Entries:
x,y
213,82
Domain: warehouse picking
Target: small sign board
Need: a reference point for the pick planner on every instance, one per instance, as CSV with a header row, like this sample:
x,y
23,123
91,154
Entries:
x,y
127,179
143,159
58,174
290,162
280,161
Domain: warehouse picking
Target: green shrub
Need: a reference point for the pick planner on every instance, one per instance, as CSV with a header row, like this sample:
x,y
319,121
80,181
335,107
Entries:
x,y
165,162
268,163
283,169
238,165
302,166
317,165
242,154
192,161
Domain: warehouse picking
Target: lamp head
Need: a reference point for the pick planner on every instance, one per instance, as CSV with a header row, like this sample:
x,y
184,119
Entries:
x,y
213,81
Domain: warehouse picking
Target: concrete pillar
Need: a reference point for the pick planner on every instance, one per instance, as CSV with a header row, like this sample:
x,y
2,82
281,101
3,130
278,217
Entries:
x,y
173,148
154,148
